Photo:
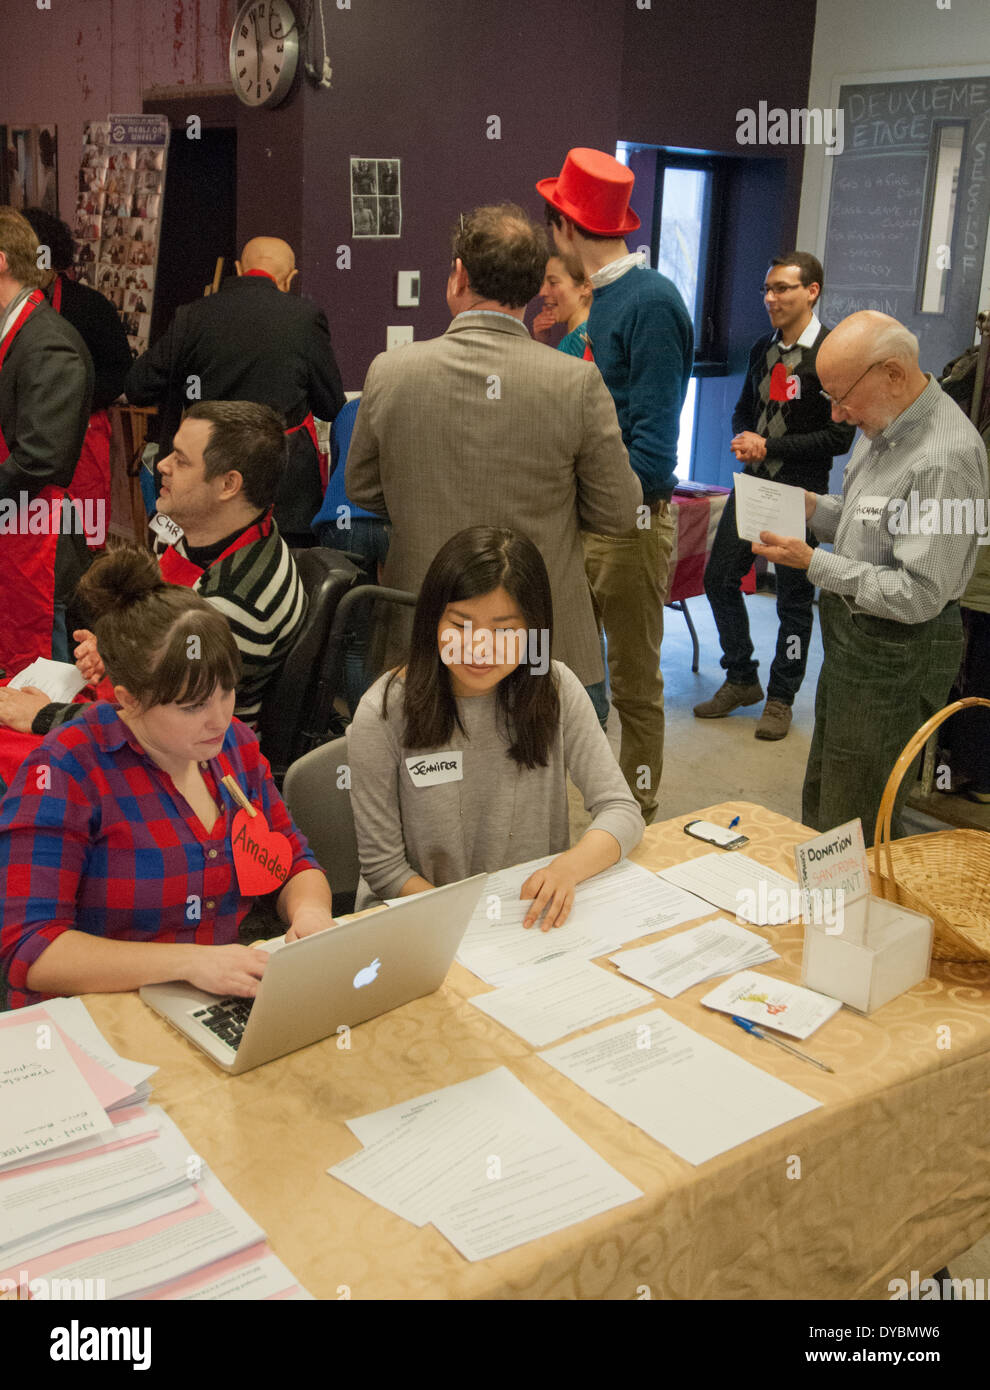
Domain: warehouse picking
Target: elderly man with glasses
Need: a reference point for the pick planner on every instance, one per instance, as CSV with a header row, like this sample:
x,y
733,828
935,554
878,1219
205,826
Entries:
x,y
783,431
905,535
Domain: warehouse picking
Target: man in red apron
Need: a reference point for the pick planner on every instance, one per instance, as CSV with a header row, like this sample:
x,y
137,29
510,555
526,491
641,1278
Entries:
x,y
46,385
98,324
252,341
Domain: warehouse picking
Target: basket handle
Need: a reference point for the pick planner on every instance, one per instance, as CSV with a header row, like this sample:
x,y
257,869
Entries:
x,y
881,837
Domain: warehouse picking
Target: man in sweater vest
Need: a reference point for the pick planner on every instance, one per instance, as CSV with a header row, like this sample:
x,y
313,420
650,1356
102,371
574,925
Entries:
x,y
784,431
642,341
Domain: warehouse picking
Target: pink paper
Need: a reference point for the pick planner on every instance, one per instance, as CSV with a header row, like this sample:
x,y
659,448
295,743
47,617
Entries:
x,y
213,1271
104,1085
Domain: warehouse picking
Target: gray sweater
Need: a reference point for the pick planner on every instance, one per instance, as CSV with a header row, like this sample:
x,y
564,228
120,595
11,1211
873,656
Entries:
x,y
491,812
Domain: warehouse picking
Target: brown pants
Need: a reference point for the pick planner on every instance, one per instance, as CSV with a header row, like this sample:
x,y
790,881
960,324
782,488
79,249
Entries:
x,y
630,578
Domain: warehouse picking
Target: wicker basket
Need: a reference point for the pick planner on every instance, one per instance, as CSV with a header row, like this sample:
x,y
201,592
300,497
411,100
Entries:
x,y
945,875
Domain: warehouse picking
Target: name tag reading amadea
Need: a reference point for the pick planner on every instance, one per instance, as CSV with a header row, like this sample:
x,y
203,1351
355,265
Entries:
x,y
434,768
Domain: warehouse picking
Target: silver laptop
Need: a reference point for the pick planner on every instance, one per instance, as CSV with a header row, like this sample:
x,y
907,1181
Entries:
x,y
310,988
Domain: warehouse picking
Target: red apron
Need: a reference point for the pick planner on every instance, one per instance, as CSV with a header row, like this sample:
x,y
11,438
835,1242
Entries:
x,y
309,424
176,569
91,480
28,560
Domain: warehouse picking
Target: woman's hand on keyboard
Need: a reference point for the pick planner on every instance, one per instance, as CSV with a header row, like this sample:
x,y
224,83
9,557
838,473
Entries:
x,y
228,970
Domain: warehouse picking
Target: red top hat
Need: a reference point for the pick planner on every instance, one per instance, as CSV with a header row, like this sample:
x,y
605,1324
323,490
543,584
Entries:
x,y
593,191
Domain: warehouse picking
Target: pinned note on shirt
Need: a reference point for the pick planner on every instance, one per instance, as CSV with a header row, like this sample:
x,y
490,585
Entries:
x,y
431,769
262,856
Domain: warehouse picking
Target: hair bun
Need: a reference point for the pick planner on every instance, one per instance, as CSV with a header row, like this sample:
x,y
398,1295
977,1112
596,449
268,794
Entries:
x,y
119,579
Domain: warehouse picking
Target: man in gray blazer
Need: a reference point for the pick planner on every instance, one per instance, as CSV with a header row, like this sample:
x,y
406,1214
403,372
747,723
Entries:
x,y
484,426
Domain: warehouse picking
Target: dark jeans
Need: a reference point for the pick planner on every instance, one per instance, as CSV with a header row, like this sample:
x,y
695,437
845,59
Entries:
x,y
727,565
368,537
880,681
967,735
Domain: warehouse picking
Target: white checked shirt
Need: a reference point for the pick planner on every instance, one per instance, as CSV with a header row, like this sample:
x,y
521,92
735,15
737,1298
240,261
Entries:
x,y
931,451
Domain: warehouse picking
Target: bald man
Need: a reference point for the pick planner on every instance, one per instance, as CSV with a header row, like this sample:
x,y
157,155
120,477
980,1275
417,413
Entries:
x,y
252,341
905,533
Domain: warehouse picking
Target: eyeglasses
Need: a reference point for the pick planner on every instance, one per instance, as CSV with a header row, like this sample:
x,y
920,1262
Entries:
x,y
777,290
852,388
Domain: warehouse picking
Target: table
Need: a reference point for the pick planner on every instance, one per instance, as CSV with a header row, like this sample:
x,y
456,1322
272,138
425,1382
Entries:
x,y
696,518
894,1168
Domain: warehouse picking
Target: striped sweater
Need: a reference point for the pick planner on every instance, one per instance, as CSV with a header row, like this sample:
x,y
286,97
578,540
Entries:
x,y
259,592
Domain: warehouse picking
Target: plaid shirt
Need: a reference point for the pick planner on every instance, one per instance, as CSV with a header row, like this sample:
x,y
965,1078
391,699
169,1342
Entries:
x,y
94,837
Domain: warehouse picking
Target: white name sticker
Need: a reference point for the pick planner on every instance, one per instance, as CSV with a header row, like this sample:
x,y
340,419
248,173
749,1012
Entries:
x,y
871,511
165,527
431,769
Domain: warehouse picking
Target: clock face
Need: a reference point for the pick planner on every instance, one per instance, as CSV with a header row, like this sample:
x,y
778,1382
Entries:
x,y
264,51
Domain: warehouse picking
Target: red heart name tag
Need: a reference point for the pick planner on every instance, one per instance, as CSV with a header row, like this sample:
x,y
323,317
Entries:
x,y
262,857
778,383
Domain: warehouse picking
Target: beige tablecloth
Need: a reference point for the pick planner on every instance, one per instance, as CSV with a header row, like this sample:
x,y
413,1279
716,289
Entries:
x,y
890,1175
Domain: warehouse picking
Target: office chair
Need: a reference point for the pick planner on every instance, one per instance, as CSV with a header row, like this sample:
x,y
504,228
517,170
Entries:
x,y
288,702
321,808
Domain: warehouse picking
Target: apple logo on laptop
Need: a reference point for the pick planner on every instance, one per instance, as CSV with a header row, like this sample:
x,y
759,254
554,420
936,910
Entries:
x,y
368,975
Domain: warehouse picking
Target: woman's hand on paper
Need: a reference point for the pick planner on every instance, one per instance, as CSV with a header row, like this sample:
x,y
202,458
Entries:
x,y
552,891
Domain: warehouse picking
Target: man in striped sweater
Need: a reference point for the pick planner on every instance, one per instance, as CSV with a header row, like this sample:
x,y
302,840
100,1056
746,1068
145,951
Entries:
x,y
214,533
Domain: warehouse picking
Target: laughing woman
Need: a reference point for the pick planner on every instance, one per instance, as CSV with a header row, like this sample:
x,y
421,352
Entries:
x,y
117,866
459,760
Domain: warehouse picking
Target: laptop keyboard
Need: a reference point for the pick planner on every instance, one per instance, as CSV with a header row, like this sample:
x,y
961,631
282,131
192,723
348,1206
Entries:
x,y
226,1019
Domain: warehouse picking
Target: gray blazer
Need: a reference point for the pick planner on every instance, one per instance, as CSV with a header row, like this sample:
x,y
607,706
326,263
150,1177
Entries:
x,y
484,426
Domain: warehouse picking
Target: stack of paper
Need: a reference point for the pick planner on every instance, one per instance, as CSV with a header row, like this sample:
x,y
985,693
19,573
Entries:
x,y
678,1086
678,962
560,998
617,905
790,1008
59,680
98,1189
738,884
485,1161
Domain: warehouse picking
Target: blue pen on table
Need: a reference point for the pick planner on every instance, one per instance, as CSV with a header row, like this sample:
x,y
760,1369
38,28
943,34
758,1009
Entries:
x,y
758,1032
734,822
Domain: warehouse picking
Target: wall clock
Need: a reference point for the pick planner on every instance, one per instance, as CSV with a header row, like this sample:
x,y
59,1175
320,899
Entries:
x,y
264,52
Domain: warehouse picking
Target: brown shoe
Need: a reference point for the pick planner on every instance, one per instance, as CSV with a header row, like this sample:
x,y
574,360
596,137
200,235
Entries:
x,y
728,698
774,721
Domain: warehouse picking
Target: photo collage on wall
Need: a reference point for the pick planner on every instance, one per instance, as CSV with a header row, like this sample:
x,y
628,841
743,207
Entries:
x,y
118,215
376,199
29,172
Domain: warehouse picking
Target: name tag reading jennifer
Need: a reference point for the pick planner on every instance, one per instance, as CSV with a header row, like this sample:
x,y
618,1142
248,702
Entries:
x,y
431,770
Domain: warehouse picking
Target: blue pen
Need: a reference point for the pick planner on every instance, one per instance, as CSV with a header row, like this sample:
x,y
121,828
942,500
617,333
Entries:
x,y
734,822
758,1032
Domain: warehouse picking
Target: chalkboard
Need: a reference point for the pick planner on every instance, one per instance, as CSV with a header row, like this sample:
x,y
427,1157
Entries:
x,y
877,230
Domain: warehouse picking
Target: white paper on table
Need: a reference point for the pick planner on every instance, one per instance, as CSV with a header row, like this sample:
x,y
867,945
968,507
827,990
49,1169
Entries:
x,y
34,1202
763,505
679,962
126,1132
258,1278
738,884
45,1101
620,903
547,1177
413,1168
790,1009
216,1227
60,680
103,1223
559,999
679,1087
74,1018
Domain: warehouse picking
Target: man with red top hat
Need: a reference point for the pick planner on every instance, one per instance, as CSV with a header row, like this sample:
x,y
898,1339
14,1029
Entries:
x,y
46,385
251,343
641,337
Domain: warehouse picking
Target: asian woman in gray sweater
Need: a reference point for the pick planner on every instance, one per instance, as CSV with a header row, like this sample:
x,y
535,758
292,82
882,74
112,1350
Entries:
x,y
459,759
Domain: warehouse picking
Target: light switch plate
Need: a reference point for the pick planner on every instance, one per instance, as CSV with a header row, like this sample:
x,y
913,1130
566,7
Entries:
x,y
397,335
